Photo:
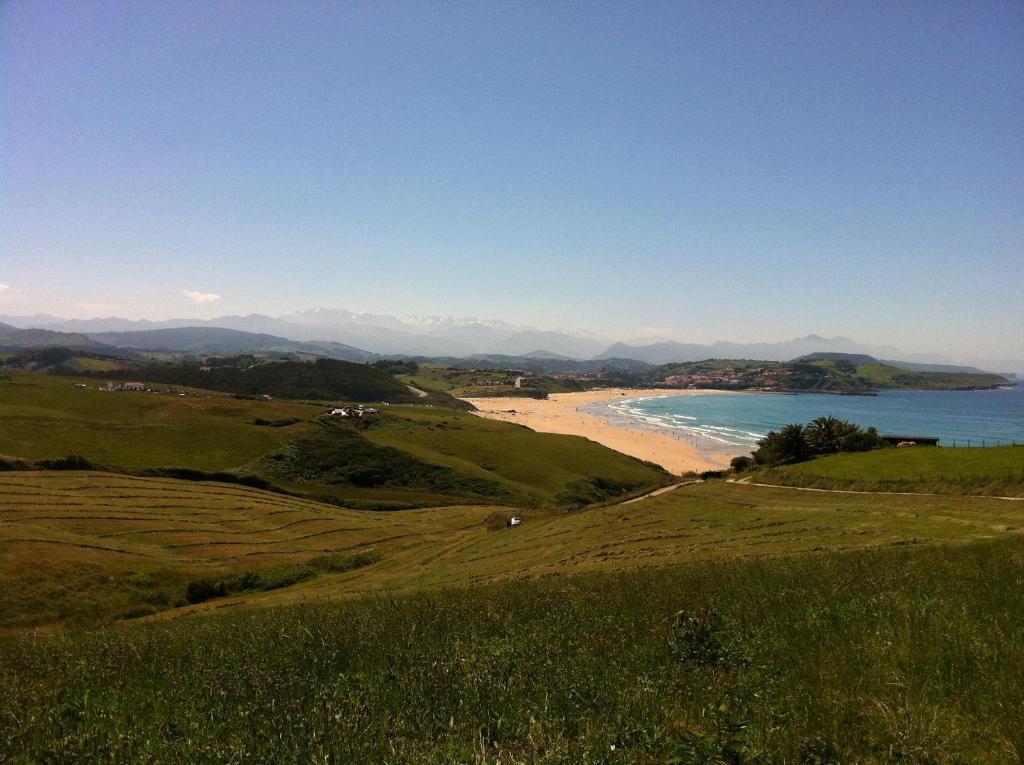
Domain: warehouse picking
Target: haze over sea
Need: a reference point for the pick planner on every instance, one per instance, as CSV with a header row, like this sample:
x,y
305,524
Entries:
x,y
735,422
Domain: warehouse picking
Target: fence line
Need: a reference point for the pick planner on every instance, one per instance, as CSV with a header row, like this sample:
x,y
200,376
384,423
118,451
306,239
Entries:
x,y
977,442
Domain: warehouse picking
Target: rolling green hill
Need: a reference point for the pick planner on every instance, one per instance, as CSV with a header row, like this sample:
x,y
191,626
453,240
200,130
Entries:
x,y
473,383
820,373
93,545
880,375
14,339
405,456
47,417
992,470
716,623
323,379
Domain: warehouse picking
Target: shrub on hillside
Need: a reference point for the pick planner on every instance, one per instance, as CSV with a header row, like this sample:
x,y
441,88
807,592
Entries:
x,y
862,441
336,564
71,462
276,423
201,590
588,492
825,435
339,454
741,464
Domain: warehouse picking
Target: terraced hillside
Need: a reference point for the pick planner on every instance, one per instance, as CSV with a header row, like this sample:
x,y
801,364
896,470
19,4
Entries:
x,y
81,545
85,545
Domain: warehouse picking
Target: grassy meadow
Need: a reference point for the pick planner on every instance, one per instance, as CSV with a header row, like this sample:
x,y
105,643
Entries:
x,y
992,470
476,383
46,417
153,619
408,456
87,547
901,654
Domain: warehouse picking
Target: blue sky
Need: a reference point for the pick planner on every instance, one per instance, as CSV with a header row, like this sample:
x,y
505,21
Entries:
x,y
744,171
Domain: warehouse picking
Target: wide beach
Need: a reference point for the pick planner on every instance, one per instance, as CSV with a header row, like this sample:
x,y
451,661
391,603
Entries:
x,y
583,414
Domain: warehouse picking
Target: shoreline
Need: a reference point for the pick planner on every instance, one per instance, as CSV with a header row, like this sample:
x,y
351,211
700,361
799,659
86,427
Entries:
x,y
587,414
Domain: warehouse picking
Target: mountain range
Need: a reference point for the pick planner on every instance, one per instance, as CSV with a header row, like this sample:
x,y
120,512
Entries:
x,y
356,336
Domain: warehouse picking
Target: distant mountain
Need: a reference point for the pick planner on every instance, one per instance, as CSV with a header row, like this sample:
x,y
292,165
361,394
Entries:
x,y
853,358
910,366
464,337
87,326
387,335
544,364
659,353
220,340
670,352
546,355
475,334
12,338
559,343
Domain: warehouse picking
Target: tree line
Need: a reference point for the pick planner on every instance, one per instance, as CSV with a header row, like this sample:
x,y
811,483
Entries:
x,y
798,443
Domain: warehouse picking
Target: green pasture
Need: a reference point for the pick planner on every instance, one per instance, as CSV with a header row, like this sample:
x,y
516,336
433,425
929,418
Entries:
x,y
533,467
910,655
409,455
85,545
46,417
998,469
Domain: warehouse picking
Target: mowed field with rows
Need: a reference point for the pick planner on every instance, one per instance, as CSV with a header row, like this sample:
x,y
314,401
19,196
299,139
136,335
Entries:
x,y
90,546
87,545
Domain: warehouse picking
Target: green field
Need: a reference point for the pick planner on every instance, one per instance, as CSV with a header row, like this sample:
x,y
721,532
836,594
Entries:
x,y
873,656
153,619
475,383
535,468
47,417
992,470
87,546
93,546
885,376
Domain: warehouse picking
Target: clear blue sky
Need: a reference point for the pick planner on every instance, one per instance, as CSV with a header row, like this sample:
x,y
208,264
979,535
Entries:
x,y
745,171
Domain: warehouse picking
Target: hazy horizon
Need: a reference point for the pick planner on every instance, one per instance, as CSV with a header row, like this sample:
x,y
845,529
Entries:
x,y
431,325
694,172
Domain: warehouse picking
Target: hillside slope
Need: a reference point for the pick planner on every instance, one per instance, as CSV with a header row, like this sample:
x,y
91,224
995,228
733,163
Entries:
x,y
872,656
85,545
407,455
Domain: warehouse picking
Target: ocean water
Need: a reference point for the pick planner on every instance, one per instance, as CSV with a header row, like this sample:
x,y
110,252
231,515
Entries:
x,y
735,422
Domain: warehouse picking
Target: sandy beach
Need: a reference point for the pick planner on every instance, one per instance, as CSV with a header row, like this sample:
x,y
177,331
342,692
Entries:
x,y
564,413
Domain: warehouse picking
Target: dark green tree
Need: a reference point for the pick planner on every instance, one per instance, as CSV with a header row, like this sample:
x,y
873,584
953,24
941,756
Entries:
x,y
825,434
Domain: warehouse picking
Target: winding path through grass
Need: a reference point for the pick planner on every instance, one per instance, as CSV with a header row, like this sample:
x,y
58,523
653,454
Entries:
x,y
748,482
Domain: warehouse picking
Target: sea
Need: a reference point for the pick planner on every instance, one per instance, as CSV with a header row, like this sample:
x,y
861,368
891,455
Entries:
x,y
733,422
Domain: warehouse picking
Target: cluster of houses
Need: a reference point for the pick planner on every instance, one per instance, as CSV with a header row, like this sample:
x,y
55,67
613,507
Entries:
x,y
760,377
126,386
352,411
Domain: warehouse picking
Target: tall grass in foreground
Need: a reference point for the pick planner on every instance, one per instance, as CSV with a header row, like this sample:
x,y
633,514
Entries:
x,y
902,655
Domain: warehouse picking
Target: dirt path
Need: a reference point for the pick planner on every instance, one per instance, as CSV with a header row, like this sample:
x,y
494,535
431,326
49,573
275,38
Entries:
x,y
659,492
748,482
419,393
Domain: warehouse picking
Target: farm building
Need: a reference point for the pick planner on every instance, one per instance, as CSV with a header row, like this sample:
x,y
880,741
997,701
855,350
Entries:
x,y
896,440
351,411
126,386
